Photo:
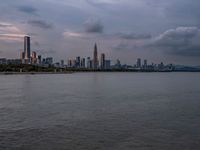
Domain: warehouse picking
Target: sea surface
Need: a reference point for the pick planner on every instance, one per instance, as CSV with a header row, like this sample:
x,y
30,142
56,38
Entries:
x,y
100,111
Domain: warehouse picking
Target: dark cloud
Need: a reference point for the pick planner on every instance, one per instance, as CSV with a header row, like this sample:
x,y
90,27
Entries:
x,y
40,23
183,41
28,9
133,36
126,47
93,26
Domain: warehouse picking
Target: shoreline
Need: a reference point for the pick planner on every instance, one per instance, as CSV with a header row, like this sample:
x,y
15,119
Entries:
x,y
70,72
32,73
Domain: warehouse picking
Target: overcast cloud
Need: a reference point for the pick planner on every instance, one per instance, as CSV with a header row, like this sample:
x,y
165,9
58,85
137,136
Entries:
x,y
157,30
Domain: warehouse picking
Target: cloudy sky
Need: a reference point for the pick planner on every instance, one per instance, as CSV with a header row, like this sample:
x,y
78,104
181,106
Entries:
x,y
157,30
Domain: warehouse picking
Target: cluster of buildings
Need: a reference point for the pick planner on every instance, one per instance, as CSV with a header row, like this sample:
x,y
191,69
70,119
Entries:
x,y
89,63
95,63
151,67
28,57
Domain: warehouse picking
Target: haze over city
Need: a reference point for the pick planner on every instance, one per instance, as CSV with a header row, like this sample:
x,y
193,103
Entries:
x,y
156,30
99,74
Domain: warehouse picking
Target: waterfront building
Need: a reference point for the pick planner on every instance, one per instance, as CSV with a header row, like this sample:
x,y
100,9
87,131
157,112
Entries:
x,y
74,63
39,59
78,62
89,63
57,65
118,64
43,61
95,57
13,61
49,61
34,55
62,63
27,49
145,62
83,63
34,58
22,55
3,61
103,63
69,63
107,64
145,66
161,66
138,63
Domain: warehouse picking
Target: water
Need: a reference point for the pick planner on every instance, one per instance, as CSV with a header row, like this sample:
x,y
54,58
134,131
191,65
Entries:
x,y
104,111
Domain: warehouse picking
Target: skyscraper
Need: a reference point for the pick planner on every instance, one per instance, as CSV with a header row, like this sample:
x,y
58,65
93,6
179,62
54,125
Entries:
x,y
39,59
118,64
27,49
145,64
107,64
83,63
34,58
78,62
22,55
95,58
49,60
103,61
138,63
62,63
89,63
34,55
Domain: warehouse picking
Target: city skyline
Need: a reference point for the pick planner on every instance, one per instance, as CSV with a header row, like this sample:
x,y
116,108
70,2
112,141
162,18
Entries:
x,y
122,29
28,56
99,62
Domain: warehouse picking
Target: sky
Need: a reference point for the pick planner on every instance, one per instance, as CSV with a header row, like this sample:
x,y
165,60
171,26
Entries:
x,y
156,30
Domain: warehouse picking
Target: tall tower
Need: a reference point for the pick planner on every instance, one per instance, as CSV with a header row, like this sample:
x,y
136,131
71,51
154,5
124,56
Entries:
x,y
95,58
103,61
138,63
27,48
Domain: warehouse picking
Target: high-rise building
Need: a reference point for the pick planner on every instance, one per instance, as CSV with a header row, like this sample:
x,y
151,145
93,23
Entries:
x,y
39,59
161,66
27,49
74,62
103,63
22,55
118,64
34,55
43,61
62,63
89,64
138,63
34,58
69,63
95,58
107,64
145,64
78,62
83,63
49,60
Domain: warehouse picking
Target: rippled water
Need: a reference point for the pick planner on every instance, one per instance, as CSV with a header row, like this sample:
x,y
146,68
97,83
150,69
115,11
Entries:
x,y
105,111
